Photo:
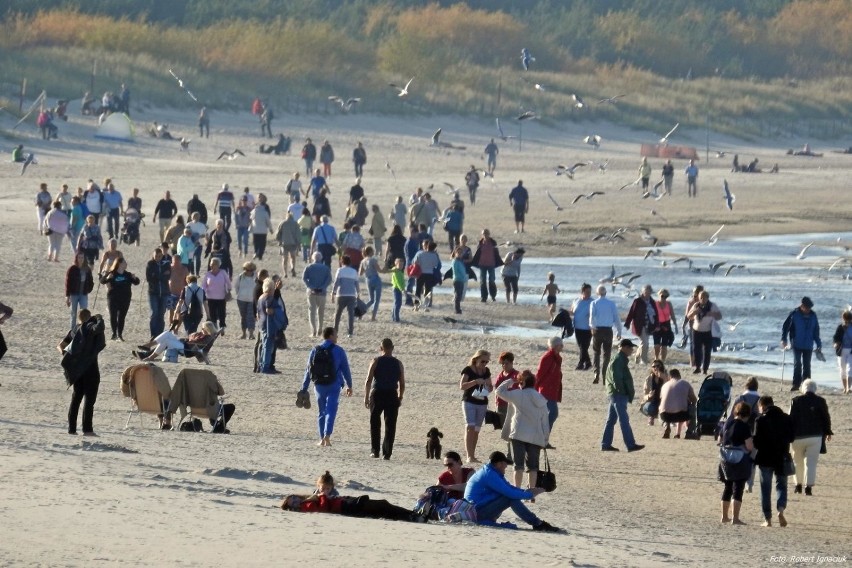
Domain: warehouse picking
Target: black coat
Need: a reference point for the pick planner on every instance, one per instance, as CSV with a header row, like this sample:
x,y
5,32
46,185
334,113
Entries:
x,y
809,413
773,433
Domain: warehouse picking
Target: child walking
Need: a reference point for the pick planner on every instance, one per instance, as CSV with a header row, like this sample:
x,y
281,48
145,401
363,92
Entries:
x,y
398,283
460,278
550,290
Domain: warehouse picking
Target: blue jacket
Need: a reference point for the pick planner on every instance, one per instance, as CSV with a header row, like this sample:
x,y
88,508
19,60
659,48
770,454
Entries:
x,y
317,276
341,365
802,330
412,247
488,484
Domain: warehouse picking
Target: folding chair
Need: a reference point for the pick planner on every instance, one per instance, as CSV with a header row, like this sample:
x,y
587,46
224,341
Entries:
x,y
200,351
198,394
146,395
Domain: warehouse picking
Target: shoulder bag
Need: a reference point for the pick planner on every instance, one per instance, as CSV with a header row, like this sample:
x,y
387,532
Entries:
x,y
546,479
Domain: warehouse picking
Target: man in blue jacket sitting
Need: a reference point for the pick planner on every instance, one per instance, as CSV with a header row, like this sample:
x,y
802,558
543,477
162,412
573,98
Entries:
x,y
491,494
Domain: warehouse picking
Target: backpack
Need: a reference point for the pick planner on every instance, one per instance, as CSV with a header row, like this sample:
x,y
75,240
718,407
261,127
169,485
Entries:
x,y
193,307
322,366
433,500
563,320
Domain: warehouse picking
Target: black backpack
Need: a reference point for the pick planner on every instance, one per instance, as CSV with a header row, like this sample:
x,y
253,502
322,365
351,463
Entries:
x,y
563,320
322,366
194,308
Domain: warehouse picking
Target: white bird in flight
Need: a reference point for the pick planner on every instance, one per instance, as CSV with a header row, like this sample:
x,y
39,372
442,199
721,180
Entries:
x,y
345,104
804,250
503,136
552,200
578,101
527,115
665,139
593,140
526,58
182,86
729,197
714,237
231,155
390,169
610,100
403,91
587,196
569,171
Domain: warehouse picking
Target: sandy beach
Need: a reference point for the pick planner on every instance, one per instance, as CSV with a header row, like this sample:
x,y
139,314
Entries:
x,y
144,497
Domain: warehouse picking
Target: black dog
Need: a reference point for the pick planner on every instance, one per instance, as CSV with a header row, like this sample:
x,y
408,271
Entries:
x,y
433,446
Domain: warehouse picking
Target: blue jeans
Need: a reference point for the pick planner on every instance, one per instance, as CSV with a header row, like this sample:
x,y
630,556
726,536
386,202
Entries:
x,y
492,510
801,365
397,304
766,474
242,240
618,411
196,261
552,412
374,286
328,397
267,348
158,312
78,302
486,287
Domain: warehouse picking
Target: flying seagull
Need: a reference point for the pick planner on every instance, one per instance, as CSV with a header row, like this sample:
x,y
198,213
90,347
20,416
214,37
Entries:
x,y
184,144
665,139
566,171
587,196
436,138
402,90
503,136
552,200
557,225
578,101
593,140
734,326
536,86
182,86
610,100
602,167
716,266
345,104
526,58
626,185
527,114
801,254
390,169
731,269
714,237
231,155
729,197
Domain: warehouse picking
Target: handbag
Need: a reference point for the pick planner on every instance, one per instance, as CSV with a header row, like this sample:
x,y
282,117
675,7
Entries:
x,y
546,479
732,454
649,408
413,270
789,465
280,340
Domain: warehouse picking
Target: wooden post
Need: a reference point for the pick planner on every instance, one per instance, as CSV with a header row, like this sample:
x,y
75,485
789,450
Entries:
x,y
23,94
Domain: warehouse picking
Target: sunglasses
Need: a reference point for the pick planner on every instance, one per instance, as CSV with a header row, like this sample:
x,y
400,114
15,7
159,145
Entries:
x,y
484,361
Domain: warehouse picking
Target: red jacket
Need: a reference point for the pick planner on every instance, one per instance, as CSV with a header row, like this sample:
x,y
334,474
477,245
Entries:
x,y
548,377
637,317
323,505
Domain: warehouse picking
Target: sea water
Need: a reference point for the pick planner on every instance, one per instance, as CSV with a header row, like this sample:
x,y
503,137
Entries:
x,y
759,296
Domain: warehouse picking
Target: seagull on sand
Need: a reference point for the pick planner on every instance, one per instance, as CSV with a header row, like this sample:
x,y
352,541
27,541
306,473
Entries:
x,y
503,136
403,91
527,115
526,58
232,155
804,250
714,237
610,100
729,197
345,104
390,170
558,207
182,86
593,140
665,139
578,101
569,171
587,196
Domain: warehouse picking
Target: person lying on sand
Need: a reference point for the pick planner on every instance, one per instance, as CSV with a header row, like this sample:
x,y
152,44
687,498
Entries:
x,y
362,507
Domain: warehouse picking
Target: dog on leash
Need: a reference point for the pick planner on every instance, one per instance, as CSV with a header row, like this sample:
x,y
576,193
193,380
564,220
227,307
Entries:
x,y
433,446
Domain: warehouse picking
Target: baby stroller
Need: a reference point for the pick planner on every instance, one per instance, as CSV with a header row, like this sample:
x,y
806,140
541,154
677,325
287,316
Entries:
x,y
130,228
714,396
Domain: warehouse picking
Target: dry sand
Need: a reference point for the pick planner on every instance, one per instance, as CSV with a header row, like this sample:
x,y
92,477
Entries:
x,y
146,497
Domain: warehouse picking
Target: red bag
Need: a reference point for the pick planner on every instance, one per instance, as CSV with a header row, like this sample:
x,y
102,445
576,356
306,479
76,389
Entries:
x,y
413,270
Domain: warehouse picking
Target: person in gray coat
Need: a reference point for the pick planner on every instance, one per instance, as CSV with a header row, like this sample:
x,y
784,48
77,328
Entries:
x,y
526,427
289,237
